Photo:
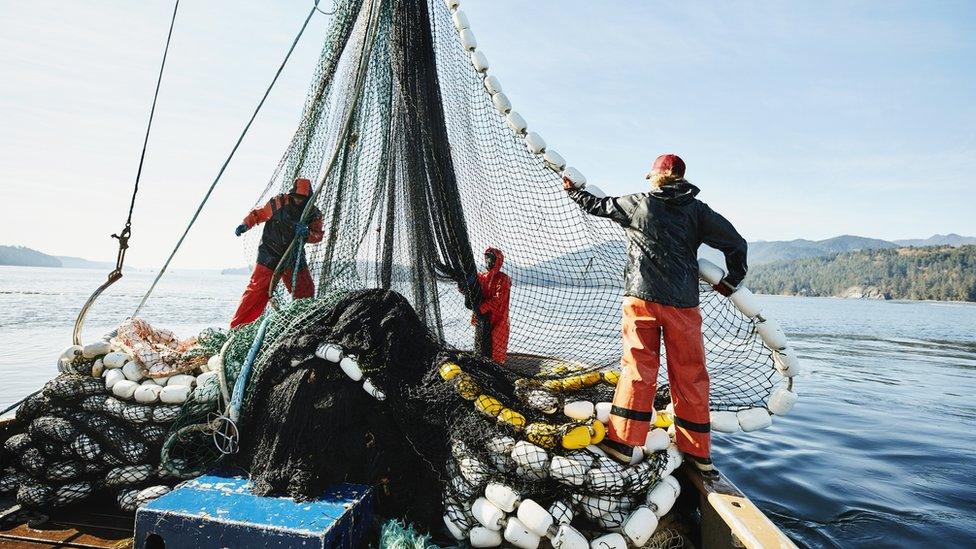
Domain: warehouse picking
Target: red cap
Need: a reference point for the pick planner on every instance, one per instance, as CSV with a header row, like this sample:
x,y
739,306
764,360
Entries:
x,y
302,186
669,163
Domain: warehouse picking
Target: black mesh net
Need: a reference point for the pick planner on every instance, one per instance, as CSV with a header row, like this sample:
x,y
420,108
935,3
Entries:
x,y
417,172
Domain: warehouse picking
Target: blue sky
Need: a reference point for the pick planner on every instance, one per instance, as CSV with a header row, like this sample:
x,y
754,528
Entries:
x,y
798,120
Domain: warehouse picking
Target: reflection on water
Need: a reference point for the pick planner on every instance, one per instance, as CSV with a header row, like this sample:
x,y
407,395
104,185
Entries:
x,y
879,451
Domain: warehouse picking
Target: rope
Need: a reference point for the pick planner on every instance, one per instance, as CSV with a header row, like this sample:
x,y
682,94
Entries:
x,y
223,167
126,232
364,57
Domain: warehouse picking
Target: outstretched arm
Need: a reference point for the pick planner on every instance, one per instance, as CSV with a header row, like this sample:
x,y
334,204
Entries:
x,y
618,209
719,233
258,215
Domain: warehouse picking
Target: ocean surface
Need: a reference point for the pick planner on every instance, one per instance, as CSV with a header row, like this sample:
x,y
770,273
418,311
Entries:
x,y
880,451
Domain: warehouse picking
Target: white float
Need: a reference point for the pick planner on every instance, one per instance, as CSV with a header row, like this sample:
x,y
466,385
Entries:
x,y
479,61
115,360
147,394
640,525
567,537
501,103
460,21
606,479
493,85
213,364
657,440
562,512
472,469
661,498
124,388
554,161
503,497
612,540
373,390
579,410
567,470
529,456
516,122
98,368
174,394
452,4
595,191
468,41
71,353
519,535
484,537
724,422
487,513
500,444
710,272
535,517
181,379
576,177
786,361
535,143
782,401
351,368
133,371
330,352
95,349
457,532
161,381
112,377
771,334
746,302
603,411
753,419
205,378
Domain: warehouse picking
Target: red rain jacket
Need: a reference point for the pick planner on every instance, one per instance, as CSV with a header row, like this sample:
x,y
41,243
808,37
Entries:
x,y
495,289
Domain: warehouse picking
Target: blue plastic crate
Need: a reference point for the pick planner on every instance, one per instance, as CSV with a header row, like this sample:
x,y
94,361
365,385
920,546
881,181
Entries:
x,y
221,511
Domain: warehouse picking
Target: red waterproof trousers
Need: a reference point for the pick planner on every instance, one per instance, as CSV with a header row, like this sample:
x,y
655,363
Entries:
x,y
633,401
255,297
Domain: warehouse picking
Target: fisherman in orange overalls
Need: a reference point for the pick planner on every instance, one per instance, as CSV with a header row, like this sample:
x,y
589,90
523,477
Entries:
x,y
665,226
495,289
281,216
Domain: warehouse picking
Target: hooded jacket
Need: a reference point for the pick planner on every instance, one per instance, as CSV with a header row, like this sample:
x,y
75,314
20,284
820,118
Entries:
x,y
664,229
495,289
280,215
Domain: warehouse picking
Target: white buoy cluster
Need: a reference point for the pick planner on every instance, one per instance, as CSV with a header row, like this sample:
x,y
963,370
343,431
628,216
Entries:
x,y
533,141
784,358
498,513
349,364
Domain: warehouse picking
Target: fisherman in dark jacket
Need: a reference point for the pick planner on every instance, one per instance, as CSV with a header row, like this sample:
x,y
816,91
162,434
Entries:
x,y
281,216
665,226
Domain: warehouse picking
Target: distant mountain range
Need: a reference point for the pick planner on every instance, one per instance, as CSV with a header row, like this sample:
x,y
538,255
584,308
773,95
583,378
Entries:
x,y
27,257
762,251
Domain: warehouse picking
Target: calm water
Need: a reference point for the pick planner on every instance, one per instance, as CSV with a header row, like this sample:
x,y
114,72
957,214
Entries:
x,y
879,452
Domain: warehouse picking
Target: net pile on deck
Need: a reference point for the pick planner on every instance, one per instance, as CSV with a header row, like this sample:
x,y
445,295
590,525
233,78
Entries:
x,y
360,390
99,425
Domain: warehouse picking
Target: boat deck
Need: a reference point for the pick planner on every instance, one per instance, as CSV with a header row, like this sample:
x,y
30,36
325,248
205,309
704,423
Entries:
x,y
75,527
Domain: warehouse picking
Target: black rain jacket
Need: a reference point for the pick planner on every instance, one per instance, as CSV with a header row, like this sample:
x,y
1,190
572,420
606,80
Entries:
x,y
664,228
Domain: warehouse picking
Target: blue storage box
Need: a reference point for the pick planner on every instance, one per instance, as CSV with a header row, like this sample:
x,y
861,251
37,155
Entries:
x,y
220,511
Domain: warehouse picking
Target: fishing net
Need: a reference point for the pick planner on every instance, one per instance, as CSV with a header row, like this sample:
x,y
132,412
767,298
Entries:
x,y
428,174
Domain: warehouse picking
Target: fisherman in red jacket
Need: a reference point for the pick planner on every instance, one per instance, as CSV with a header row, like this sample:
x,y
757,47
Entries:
x,y
281,216
495,288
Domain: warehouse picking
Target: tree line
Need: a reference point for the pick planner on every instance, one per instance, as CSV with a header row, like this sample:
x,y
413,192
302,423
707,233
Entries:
x,y
935,272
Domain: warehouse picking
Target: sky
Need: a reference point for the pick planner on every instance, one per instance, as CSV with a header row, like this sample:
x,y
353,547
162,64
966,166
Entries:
x,y
797,119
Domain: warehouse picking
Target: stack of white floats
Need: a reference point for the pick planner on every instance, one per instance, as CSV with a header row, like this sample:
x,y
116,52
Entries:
x,y
126,379
349,364
784,358
502,515
533,141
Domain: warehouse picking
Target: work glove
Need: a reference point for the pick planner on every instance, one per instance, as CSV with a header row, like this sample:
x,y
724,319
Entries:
x,y
301,230
241,229
568,184
724,288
